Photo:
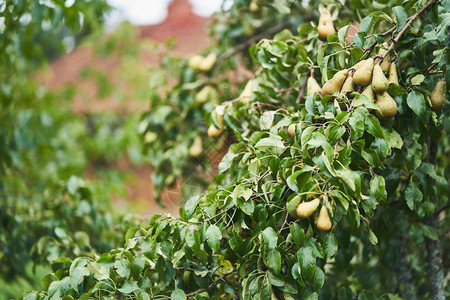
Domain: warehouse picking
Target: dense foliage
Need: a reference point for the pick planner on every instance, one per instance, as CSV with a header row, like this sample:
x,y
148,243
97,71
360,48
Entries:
x,y
380,181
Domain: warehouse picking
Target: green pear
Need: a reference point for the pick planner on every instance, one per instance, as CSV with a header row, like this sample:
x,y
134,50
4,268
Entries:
x,y
214,132
205,95
386,63
254,7
380,83
363,74
358,64
306,209
246,94
312,86
368,92
208,62
335,83
323,222
437,96
393,76
325,26
348,86
291,129
387,106
291,205
196,148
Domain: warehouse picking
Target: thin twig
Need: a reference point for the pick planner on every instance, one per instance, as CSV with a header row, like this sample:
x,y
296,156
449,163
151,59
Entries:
x,y
219,214
284,223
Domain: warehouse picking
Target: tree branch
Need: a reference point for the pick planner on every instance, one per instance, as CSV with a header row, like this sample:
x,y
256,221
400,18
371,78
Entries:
x,y
407,25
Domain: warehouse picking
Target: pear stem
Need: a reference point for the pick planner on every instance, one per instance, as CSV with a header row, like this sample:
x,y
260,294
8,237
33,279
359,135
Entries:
x,y
407,25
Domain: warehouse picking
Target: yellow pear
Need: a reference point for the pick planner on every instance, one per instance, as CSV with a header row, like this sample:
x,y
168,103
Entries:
x,y
437,97
323,222
393,76
335,83
214,132
205,94
386,63
358,64
246,94
254,7
348,86
368,92
325,26
195,61
362,76
387,106
380,83
208,63
291,205
312,86
306,209
196,148
291,129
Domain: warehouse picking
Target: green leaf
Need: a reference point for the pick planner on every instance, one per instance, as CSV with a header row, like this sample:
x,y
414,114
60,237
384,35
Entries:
x,y
274,144
270,238
364,25
371,157
274,261
330,245
416,101
418,79
191,204
307,262
342,33
430,232
401,16
274,164
178,294
226,162
319,279
374,127
372,238
213,237
128,287
413,196
378,187
58,288
298,234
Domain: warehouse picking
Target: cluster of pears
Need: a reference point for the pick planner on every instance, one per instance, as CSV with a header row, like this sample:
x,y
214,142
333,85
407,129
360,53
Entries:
x,y
369,76
298,209
201,63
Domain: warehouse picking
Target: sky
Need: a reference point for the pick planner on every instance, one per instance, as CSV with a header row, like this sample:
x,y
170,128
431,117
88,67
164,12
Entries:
x,y
144,12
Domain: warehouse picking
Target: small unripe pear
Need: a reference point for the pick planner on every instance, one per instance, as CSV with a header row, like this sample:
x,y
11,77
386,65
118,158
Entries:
x,y
214,132
195,61
208,63
437,96
246,94
312,86
325,26
254,7
380,83
306,209
386,63
348,86
335,83
368,92
323,222
362,76
393,76
291,129
291,205
196,148
387,106
205,94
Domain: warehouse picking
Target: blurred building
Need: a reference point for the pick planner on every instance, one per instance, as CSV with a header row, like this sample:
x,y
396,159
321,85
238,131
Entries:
x,y
90,72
